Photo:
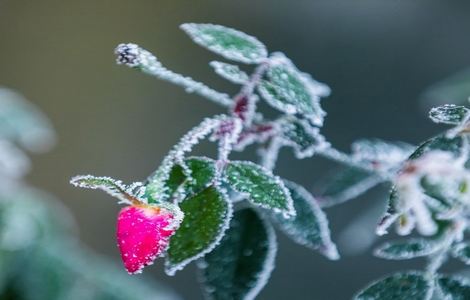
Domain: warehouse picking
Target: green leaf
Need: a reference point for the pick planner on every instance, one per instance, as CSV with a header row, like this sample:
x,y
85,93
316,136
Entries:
x,y
227,42
449,114
111,186
454,288
304,138
290,91
230,72
206,217
445,191
461,251
407,249
202,175
23,122
260,185
394,209
409,285
309,227
346,184
240,266
440,142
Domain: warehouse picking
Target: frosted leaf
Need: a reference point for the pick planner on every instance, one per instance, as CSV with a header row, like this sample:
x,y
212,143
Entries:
x,y
240,266
393,211
134,56
309,227
449,114
442,143
346,184
382,154
304,138
454,288
14,163
461,251
230,72
288,90
227,42
202,173
206,217
156,189
111,186
409,285
22,122
408,249
260,185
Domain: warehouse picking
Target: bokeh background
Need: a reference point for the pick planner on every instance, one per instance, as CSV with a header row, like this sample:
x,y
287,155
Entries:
x,y
381,58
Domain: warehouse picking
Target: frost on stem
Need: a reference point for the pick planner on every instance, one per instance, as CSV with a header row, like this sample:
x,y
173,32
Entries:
x,y
136,57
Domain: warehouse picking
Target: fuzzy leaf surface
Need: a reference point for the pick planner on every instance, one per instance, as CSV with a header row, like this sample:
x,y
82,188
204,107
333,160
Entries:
x,y
440,142
310,226
239,267
409,285
454,288
461,251
230,72
303,137
206,217
407,249
227,42
261,186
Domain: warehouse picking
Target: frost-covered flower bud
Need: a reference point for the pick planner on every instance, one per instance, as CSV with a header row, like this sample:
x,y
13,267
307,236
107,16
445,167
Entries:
x,y
143,234
128,54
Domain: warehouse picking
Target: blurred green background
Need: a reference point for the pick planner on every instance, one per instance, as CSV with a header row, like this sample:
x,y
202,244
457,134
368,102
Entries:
x,y
379,57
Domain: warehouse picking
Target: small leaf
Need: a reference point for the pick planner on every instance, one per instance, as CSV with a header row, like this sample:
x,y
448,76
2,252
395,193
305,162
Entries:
x,y
309,227
304,138
346,184
206,217
260,185
462,252
448,114
227,42
409,285
440,142
111,186
288,90
240,266
202,175
230,72
382,154
407,249
454,288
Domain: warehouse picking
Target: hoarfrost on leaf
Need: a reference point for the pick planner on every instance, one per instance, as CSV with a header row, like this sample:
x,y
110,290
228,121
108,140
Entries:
x,y
407,285
381,154
461,251
230,72
310,226
240,266
206,217
227,42
408,249
454,288
260,185
449,114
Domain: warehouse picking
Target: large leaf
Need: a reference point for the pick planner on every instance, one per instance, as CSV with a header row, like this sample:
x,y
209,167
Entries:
x,y
202,175
304,138
206,217
230,72
227,42
288,90
239,267
261,186
454,288
409,285
407,249
346,184
309,227
449,114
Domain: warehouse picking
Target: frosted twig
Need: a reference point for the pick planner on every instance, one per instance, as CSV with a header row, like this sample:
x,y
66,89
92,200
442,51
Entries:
x,y
136,57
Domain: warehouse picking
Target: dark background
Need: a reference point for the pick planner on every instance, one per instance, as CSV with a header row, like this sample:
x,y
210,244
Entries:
x,y
378,56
